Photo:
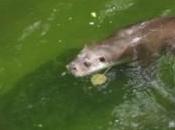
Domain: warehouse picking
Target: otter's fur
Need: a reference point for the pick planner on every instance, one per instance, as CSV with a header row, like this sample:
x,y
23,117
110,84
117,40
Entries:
x,y
137,42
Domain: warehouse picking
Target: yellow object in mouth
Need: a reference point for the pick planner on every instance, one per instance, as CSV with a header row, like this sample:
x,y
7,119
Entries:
x,y
98,79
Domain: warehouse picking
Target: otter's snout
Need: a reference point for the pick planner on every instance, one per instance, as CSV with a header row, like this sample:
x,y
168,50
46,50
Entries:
x,y
71,67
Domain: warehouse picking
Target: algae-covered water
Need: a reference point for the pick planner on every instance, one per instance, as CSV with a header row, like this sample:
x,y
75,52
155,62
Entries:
x,y
38,38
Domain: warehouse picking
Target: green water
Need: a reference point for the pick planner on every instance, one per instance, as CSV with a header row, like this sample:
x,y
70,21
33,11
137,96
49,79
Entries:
x,y
37,40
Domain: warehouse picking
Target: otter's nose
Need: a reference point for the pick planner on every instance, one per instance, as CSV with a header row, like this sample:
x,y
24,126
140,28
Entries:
x,y
72,67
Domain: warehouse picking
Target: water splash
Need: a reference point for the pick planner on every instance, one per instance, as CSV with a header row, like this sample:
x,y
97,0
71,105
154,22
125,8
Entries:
x,y
150,101
30,29
45,29
114,6
43,26
138,113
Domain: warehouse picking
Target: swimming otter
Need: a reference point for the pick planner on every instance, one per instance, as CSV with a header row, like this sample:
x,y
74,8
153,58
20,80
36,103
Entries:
x,y
141,41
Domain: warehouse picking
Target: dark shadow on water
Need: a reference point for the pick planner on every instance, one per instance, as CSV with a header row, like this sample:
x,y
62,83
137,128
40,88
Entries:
x,y
46,98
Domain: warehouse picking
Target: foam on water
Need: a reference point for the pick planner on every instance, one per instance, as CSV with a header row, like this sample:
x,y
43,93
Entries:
x,y
149,102
114,6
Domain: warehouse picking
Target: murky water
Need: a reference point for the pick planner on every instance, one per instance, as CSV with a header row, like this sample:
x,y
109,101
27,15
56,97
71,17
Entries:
x,y
38,38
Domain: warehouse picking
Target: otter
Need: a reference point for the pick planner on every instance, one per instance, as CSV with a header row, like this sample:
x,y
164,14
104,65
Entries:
x,y
142,41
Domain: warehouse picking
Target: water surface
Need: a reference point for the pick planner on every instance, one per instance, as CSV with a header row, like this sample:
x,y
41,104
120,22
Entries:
x,y
38,38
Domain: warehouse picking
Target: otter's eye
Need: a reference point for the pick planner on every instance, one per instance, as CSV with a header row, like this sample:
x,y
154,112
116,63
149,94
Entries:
x,y
102,59
87,64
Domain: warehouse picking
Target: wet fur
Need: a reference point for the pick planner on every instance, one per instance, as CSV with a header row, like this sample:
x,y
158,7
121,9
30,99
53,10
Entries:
x,y
142,41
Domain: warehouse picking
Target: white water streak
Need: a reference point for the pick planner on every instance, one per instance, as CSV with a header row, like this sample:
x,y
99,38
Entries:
x,y
114,6
30,29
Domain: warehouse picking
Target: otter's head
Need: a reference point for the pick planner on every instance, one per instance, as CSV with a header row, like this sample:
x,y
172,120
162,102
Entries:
x,y
89,60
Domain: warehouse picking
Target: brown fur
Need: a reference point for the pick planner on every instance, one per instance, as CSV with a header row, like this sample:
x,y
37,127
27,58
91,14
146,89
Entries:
x,y
155,35
142,41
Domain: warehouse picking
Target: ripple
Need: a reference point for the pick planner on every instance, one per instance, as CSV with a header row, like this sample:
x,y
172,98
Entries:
x,y
149,102
166,12
30,29
114,6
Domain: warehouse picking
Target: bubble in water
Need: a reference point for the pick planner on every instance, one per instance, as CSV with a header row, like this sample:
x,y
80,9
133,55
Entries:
x,y
93,14
60,41
70,18
171,124
91,23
